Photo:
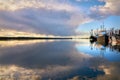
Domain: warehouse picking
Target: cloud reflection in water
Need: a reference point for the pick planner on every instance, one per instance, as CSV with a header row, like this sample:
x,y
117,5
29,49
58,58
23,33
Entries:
x,y
53,60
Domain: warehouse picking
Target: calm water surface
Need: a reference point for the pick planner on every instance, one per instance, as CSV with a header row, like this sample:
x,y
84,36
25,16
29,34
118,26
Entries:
x,y
59,60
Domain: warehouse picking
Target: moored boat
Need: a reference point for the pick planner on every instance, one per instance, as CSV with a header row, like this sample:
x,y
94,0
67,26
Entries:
x,y
105,36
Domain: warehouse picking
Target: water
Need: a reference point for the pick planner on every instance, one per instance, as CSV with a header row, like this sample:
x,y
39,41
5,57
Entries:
x,y
58,60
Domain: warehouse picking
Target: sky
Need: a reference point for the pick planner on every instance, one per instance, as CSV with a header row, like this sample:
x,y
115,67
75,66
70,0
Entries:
x,y
58,17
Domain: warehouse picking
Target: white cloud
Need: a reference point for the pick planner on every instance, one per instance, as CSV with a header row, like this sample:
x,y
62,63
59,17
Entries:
x,y
42,16
111,7
47,4
56,17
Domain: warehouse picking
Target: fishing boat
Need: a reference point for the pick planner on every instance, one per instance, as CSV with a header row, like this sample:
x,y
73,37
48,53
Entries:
x,y
114,36
93,37
100,35
104,36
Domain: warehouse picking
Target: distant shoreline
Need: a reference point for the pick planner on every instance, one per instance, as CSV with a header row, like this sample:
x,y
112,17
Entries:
x,y
35,38
30,38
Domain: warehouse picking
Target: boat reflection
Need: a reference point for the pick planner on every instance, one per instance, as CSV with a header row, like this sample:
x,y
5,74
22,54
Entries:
x,y
103,46
107,51
115,47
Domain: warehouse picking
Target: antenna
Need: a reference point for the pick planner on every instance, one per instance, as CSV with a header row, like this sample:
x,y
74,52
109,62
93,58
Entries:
x,y
103,25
